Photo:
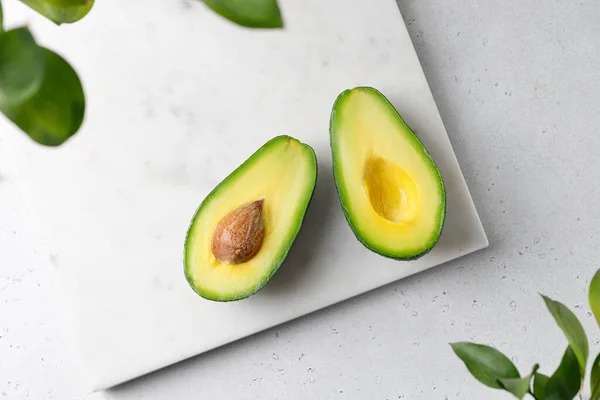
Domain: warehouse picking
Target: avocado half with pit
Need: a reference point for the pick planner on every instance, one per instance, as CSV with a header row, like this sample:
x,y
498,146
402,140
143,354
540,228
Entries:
x,y
390,189
245,227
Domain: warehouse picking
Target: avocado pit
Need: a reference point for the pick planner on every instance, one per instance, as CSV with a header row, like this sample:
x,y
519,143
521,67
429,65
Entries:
x,y
239,236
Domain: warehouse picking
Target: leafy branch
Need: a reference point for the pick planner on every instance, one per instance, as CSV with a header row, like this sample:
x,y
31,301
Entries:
x,y
39,91
492,368
42,94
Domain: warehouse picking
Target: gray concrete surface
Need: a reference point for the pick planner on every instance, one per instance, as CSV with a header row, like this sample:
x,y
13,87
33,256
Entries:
x,y
518,86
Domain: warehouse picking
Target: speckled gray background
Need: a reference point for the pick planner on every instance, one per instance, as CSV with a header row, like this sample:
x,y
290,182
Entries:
x,y
518,86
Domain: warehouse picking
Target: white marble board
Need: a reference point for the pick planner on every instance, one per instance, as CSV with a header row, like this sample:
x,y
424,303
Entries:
x,y
177,98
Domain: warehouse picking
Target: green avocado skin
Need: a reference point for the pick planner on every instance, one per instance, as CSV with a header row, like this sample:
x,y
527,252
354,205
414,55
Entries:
x,y
213,296
341,189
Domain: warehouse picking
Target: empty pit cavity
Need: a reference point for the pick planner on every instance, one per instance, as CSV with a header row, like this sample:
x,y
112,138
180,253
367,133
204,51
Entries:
x,y
392,192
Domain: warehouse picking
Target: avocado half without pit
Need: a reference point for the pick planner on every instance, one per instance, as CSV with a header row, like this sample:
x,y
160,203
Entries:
x,y
390,189
245,227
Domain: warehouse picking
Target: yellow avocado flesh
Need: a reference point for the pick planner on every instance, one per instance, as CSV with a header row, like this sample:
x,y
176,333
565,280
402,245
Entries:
x,y
283,173
390,189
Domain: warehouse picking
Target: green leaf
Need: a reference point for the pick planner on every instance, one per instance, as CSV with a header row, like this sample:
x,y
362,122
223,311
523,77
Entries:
x,y
485,363
61,11
594,296
55,112
565,383
22,65
1,18
539,385
595,379
249,13
571,327
518,386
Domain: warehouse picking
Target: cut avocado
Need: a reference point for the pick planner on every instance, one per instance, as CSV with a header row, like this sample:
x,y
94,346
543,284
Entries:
x,y
244,228
391,191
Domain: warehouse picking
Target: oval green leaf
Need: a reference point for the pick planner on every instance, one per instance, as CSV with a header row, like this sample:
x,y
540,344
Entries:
x,y
61,11
55,112
573,330
595,379
22,65
485,363
539,385
565,383
594,296
519,387
249,13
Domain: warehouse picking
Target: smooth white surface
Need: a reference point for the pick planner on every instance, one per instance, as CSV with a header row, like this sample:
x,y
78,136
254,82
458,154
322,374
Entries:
x,y
169,115
518,88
